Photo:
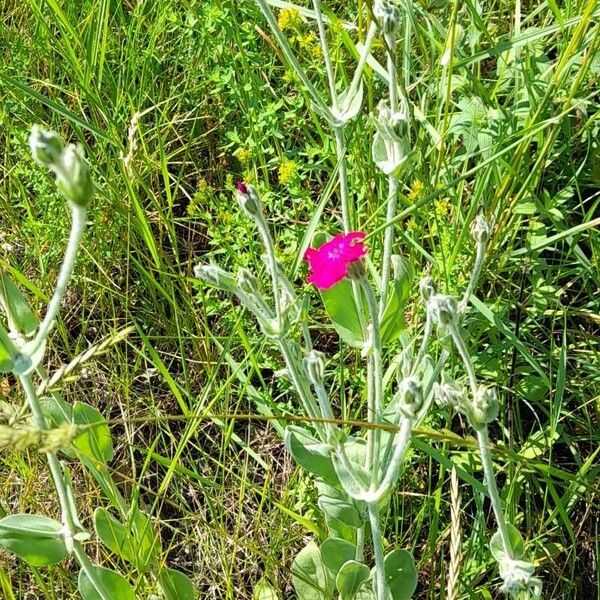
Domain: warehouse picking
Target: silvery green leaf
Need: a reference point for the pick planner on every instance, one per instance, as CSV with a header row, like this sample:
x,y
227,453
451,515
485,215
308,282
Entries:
x,y
349,105
400,574
20,316
309,575
325,113
389,155
113,582
310,454
516,541
350,577
335,552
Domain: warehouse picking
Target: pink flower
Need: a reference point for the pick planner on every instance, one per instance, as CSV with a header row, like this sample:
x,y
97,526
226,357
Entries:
x,y
329,263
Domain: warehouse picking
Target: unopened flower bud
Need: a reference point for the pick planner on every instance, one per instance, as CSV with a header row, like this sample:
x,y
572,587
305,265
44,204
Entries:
x,y
46,146
74,179
484,408
314,362
427,288
410,396
443,309
449,393
216,277
248,199
480,229
387,13
247,282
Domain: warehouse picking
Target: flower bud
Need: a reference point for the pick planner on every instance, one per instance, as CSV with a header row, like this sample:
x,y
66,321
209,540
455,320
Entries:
x,y
480,229
314,363
387,13
484,407
216,277
449,393
73,179
356,270
427,288
442,309
46,147
410,396
248,199
519,580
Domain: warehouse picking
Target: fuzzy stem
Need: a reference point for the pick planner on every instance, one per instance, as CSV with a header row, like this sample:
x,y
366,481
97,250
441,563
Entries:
x,y
381,589
77,227
69,516
479,258
376,381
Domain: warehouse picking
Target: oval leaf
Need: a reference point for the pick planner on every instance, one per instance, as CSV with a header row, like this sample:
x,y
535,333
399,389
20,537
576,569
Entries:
x,y
34,538
309,575
516,541
400,574
350,577
114,584
20,316
335,552
341,308
176,585
310,454
95,442
265,591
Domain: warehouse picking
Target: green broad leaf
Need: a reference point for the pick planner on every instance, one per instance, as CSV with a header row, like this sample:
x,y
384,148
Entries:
x,y
400,574
516,541
392,322
114,584
135,542
176,585
6,351
309,575
57,412
350,577
20,316
341,308
310,454
335,552
337,506
349,105
265,591
95,442
34,538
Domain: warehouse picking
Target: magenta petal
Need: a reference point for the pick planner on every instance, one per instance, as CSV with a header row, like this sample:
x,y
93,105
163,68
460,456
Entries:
x,y
328,264
328,275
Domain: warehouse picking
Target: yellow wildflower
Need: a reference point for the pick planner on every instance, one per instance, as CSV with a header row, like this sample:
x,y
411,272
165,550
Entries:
x,y
288,169
416,190
244,155
288,18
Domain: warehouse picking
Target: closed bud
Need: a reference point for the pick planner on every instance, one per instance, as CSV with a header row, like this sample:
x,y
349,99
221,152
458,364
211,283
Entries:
x,y
73,179
484,407
442,309
46,147
410,396
356,270
216,277
248,199
480,229
449,393
427,288
314,362
387,13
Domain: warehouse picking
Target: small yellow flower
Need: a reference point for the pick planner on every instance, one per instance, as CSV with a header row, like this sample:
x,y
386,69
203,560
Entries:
x,y
443,208
288,169
308,42
416,190
244,155
412,225
289,18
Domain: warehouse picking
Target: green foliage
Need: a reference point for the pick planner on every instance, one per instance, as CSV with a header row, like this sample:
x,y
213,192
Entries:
x,y
309,574
400,574
116,585
176,585
20,316
36,539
